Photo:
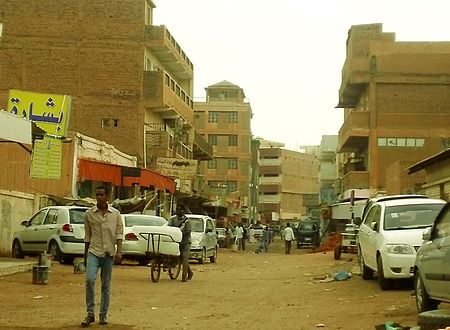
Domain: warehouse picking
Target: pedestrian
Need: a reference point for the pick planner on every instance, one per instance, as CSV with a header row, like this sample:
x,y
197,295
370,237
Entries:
x,y
266,238
251,235
181,221
244,236
238,233
288,238
103,229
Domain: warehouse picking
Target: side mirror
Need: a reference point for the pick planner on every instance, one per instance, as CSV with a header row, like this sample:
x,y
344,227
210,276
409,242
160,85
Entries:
x,y
24,223
426,235
357,221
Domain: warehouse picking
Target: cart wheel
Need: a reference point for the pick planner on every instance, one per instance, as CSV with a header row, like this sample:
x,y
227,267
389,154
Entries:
x,y
155,270
174,270
337,252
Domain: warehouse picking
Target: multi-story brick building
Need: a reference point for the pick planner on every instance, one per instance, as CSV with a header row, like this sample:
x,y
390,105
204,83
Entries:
x,y
397,108
224,120
131,82
288,183
327,169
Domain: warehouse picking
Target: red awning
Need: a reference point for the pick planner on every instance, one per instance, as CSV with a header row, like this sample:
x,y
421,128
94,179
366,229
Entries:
x,y
97,171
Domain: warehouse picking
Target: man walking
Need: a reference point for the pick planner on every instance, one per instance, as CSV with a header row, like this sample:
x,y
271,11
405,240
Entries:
x,y
103,231
181,221
288,238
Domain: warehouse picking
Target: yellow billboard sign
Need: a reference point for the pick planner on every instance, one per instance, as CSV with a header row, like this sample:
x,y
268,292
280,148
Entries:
x,y
49,111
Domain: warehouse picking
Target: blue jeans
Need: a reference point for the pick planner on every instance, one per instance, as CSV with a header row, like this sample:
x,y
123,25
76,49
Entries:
x,y
93,264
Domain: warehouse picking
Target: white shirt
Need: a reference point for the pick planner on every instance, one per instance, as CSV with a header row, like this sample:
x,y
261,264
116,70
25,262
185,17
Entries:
x,y
289,234
239,232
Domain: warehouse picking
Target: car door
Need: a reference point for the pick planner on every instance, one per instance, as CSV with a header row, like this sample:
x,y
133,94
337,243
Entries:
x,y
434,256
30,235
368,235
49,227
211,239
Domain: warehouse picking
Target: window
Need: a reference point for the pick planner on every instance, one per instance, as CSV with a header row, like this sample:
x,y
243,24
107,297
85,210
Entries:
x,y
400,142
232,164
232,140
37,219
232,186
52,217
212,139
213,117
222,95
212,164
110,122
233,117
443,225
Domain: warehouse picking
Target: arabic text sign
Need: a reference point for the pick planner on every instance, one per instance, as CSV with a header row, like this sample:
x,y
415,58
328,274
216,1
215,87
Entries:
x,y
49,111
177,168
46,159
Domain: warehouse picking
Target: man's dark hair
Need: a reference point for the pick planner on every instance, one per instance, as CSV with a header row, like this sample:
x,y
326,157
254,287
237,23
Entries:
x,y
104,188
288,224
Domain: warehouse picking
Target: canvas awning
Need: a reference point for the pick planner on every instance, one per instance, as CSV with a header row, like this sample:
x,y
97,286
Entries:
x,y
123,176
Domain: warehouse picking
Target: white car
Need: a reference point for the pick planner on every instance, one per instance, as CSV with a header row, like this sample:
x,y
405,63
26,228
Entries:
x,y
203,238
134,246
58,230
391,233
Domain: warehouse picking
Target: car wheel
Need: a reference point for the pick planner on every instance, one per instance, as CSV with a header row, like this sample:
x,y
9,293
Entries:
x,y
431,320
213,258
203,258
385,283
17,251
55,252
366,272
423,301
337,252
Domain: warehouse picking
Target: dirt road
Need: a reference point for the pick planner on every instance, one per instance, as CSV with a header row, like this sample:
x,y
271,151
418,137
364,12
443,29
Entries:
x,y
243,290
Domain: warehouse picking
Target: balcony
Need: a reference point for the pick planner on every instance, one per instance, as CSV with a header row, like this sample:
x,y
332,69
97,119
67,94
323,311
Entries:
x,y
355,77
202,149
354,133
159,142
355,180
163,95
164,46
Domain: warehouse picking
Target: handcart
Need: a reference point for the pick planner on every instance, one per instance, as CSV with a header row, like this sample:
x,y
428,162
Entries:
x,y
348,242
164,254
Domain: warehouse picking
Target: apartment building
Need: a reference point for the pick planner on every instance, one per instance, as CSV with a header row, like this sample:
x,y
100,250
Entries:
x,y
396,108
131,82
327,169
288,183
223,118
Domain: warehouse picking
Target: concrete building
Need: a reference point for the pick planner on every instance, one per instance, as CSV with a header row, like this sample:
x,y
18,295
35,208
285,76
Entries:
x,y
224,120
288,183
327,169
131,82
396,108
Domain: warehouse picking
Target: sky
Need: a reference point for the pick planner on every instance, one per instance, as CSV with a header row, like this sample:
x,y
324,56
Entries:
x,y
287,55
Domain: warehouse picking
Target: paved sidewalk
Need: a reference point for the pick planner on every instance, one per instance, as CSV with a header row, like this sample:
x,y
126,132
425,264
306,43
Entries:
x,y
10,266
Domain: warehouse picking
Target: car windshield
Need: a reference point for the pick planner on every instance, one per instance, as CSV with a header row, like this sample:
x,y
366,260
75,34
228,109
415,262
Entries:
x,y
220,231
77,216
307,226
410,216
134,220
196,225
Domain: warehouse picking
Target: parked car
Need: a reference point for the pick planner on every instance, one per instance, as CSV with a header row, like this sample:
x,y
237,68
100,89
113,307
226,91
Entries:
x,y
308,234
258,230
58,230
203,237
221,236
432,267
391,233
134,245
